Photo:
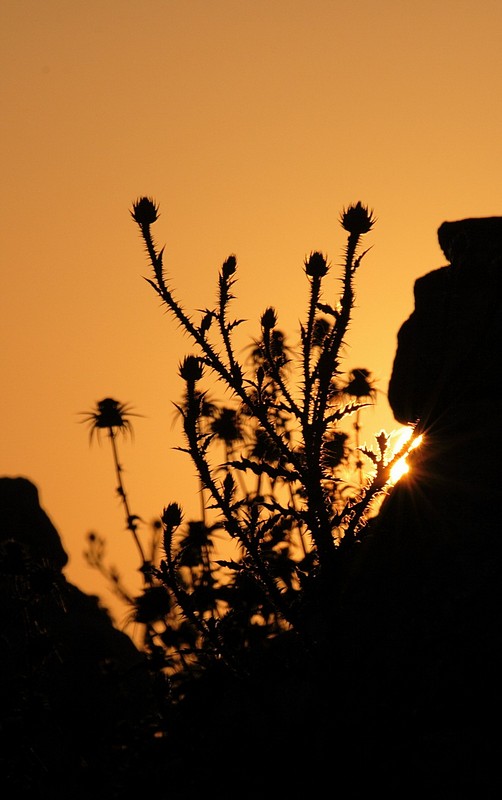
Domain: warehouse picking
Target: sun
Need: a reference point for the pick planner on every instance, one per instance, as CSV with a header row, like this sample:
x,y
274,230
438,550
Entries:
x,y
401,467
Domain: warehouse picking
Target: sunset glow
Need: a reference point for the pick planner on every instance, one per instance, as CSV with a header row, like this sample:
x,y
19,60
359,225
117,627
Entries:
x,y
401,467
252,125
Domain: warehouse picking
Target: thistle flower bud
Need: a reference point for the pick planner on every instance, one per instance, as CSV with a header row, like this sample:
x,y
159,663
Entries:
x,y
229,266
316,265
320,330
190,369
144,211
360,384
269,318
357,219
172,516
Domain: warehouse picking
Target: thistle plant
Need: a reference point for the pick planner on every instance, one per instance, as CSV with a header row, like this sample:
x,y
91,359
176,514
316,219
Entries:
x,y
112,416
293,491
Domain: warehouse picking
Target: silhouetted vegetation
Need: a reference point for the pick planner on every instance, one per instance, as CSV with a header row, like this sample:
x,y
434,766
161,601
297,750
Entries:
x,y
287,492
280,476
317,628
340,642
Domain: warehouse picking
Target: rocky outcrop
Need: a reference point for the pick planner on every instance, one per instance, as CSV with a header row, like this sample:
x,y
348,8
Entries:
x,y
75,692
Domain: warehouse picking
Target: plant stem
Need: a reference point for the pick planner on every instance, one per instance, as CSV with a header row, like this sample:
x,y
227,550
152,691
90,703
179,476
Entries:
x,y
131,524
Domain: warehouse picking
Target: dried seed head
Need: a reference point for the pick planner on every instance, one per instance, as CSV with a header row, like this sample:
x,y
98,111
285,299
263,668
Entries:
x,y
109,414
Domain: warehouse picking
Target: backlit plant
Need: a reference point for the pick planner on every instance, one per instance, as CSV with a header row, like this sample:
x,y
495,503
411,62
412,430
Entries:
x,y
282,475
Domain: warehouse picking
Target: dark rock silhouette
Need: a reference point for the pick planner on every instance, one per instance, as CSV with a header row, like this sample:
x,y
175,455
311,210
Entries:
x,y
74,691
24,521
445,378
447,365
424,604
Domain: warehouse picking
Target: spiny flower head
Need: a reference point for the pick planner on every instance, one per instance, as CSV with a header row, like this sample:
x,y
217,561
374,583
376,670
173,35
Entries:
x,y
226,426
172,516
316,265
229,266
357,219
360,384
110,415
190,369
145,211
269,318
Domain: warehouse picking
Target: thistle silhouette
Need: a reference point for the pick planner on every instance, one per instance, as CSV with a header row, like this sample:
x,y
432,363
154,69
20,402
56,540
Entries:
x,y
112,416
293,492
281,479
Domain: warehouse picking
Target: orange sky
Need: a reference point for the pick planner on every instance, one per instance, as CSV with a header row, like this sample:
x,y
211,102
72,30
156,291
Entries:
x,y
252,123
